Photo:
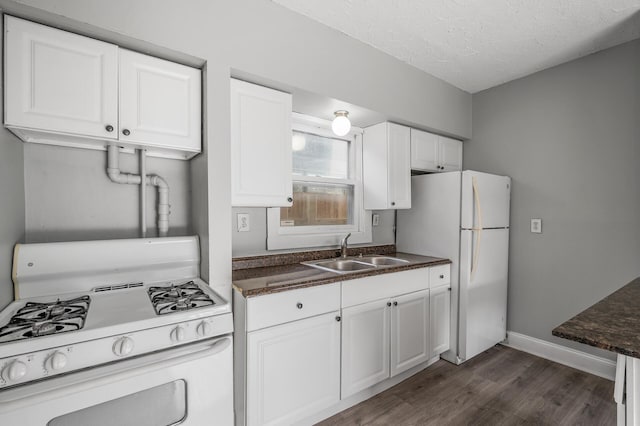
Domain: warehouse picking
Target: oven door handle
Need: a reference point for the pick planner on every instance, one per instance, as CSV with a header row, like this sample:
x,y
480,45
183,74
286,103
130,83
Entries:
x,y
11,399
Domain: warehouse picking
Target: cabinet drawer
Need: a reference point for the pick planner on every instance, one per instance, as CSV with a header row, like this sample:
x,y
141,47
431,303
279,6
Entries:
x,y
439,275
273,309
363,290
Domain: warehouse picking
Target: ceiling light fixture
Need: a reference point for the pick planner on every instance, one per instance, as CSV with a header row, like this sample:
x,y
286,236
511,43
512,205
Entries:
x,y
341,124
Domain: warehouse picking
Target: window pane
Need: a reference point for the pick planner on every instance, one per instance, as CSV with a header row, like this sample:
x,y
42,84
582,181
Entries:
x,y
317,204
315,155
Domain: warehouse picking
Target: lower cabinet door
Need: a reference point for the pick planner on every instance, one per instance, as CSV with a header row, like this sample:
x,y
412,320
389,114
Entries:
x,y
440,320
409,331
293,370
365,346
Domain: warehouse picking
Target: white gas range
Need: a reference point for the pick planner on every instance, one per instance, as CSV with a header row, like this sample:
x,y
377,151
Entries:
x,y
121,320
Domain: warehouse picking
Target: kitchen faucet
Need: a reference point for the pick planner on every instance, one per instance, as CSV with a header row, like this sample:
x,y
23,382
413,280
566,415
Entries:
x,y
343,246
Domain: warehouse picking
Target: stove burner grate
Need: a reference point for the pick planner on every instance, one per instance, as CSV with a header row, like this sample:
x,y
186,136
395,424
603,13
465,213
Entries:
x,y
175,298
37,319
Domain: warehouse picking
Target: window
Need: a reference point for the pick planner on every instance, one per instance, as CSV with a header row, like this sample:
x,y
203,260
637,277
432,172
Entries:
x,y
327,190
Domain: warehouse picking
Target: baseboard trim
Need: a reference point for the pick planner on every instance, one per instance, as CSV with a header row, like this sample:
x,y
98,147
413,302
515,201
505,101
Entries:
x,y
561,354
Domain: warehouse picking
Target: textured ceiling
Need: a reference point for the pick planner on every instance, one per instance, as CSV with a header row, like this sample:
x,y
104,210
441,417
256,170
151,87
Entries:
x,y
477,44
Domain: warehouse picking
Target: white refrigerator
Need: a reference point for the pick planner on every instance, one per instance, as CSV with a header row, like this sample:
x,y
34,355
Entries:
x,y
464,216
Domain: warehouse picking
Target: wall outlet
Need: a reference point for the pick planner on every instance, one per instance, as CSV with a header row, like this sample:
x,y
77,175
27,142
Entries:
x,y
243,222
376,219
536,226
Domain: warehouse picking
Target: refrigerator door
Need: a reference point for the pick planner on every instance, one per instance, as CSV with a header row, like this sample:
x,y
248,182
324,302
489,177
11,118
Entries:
x,y
485,200
483,290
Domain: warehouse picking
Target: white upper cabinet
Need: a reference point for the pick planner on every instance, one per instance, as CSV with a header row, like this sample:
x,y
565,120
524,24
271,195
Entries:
x,y
70,90
59,81
450,154
261,135
434,153
424,151
386,162
159,102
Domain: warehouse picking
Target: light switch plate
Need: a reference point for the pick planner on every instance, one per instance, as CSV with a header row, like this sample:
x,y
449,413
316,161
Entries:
x,y
536,226
243,222
376,219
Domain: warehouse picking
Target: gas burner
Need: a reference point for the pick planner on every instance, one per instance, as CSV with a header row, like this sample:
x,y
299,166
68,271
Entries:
x,y
175,298
43,319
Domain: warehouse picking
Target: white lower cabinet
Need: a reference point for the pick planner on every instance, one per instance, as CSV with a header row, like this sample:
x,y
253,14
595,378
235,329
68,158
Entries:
x,y
383,338
409,331
365,346
302,352
293,370
440,307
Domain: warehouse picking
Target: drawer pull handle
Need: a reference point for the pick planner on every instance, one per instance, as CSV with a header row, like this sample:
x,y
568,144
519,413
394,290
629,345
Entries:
x,y
299,305
338,318
441,276
388,303
395,303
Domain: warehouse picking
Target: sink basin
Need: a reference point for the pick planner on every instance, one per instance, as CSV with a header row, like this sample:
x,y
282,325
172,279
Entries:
x,y
341,266
384,260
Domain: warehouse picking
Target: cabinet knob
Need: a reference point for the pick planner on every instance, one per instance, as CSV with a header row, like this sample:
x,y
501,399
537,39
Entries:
x,y
289,199
338,318
441,276
393,203
299,305
126,132
395,303
388,303
109,128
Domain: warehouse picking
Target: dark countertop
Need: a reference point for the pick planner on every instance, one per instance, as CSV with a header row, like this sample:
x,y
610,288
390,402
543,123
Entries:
x,y
274,279
612,324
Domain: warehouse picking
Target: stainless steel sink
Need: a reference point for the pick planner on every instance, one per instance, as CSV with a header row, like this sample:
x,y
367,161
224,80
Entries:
x,y
383,260
341,266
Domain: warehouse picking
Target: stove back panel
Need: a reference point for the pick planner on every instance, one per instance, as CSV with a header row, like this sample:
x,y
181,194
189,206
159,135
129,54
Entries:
x,y
55,268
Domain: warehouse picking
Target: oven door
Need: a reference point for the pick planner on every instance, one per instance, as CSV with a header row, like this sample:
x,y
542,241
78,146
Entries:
x,y
190,385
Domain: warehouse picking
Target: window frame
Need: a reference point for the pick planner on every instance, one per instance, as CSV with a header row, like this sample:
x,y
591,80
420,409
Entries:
x,y
290,237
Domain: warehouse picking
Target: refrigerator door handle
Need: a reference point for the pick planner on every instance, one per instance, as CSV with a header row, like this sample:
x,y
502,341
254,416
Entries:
x,y
478,229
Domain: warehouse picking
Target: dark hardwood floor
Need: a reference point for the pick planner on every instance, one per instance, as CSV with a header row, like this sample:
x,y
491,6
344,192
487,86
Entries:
x,y
501,386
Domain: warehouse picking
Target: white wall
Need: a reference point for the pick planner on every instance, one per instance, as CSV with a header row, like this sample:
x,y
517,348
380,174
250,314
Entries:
x,y
11,204
11,208
263,39
254,241
569,137
68,195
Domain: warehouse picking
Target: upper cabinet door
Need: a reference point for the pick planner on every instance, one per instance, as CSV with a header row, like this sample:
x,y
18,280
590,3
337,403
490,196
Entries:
x,y
159,102
59,81
386,162
260,146
399,148
424,151
450,154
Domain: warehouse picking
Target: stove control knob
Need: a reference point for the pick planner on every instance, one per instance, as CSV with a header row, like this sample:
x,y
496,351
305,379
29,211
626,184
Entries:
x,y
123,346
178,334
55,362
14,371
204,329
